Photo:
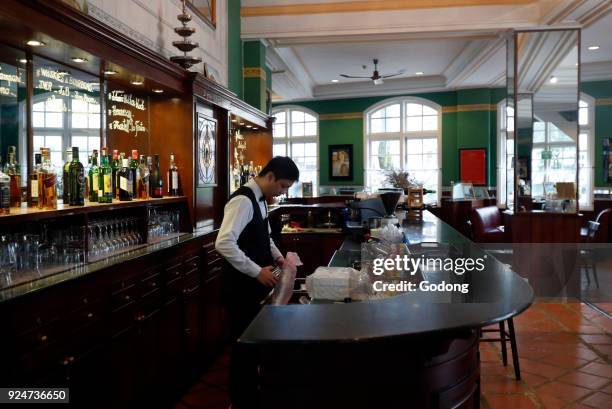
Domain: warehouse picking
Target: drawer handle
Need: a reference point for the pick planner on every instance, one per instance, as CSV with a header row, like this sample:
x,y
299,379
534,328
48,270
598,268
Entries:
x,y
140,318
43,338
153,284
127,298
90,315
68,360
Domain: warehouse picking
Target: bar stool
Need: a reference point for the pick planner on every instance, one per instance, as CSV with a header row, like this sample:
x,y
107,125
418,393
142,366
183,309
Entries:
x,y
588,255
503,338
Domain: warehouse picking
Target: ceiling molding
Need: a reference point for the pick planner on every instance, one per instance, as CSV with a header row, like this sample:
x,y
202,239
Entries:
x,y
287,84
373,5
596,71
396,86
471,59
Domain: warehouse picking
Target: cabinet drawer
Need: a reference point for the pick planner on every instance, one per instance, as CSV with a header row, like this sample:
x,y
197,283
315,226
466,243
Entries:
x,y
38,338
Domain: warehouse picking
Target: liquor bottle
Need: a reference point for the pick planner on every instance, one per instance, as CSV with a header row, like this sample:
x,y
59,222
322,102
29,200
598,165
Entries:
x,y
87,182
124,177
251,170
150,167
173,178
94,177
65,177
157,182
47,182
14,172
105,180
115,166
134,169
5,193
143,179
76,178
33,182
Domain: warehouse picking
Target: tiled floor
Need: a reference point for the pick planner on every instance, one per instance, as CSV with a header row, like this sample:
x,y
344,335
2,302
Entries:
x,y
565,355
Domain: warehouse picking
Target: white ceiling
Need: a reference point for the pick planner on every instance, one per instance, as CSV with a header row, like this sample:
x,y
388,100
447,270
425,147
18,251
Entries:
x,y
450,58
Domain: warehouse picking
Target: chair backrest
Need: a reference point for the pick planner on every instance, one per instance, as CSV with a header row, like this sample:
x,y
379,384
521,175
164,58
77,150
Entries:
x,y
484,218
603,215
592,230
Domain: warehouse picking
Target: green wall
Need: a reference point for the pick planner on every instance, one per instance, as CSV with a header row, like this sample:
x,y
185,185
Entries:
x,y
462,129
234,56
603,122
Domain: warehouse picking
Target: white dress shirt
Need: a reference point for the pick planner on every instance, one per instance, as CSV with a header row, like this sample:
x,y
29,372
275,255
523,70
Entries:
x,y
238,212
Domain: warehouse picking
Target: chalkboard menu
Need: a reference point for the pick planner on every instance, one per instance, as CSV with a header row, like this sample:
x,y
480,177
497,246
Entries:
x,y
127,119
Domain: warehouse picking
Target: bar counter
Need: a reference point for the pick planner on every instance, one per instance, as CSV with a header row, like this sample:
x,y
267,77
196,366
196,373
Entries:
x,y
417,349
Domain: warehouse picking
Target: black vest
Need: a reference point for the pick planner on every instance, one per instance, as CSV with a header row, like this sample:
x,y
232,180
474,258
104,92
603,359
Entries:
x,y
254,241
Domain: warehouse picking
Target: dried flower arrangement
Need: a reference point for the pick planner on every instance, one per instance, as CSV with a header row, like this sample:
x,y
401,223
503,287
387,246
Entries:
x,y
401,179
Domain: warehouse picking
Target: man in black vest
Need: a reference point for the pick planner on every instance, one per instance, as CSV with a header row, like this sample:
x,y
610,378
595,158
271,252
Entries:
x,y
250,254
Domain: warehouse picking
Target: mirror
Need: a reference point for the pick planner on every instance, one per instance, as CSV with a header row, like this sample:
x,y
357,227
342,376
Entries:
x,y
545,89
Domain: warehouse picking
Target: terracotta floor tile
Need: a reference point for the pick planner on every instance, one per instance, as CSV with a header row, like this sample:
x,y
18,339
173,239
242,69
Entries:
x,y
588,329
603,322
551,402
489,355
605,350
565,361
538,368
579,406
509,402
500,384
599,400
597,339
607,389
598,369
493,368
584,379
564,391
533,380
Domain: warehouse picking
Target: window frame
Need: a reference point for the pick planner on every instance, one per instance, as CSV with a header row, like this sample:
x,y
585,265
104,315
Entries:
x,y
403,135
288,139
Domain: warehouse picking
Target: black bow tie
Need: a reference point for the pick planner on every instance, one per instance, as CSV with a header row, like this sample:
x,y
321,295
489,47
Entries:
x,y
262,198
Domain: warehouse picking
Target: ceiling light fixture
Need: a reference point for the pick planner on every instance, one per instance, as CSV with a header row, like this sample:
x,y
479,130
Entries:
x,y
110,72
234,120
79,59
419,73
334,80
22,60
35,43
241,123
593,48
158,90
553,80
137,82
249,126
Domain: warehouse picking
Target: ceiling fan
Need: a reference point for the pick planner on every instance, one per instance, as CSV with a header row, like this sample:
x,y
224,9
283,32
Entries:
x,y
376,77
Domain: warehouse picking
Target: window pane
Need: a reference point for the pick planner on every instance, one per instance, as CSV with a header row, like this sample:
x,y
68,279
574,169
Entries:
x,y
297,116
38,119
430,123
310,163
392,125
414,146
279,130
94,121
539,136
378,126
297,129
379,114
311,128
583,116
39,142
414,162
311,149
430,145
582,141
79,106
39,106
430,161
429,111
94,108
557,135
393,111
279,149
53,120
94,143
55,105
297,149
79,120
56,159
414,109
54,143
414,123
280,117
309,118
80,142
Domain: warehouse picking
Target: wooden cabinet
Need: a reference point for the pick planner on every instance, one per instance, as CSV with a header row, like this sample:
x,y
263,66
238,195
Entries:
x,y
314,249
140,331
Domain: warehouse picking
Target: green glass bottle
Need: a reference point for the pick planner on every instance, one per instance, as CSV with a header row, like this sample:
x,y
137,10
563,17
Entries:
x,y
105,183
115,165
76,179
66,177
94,177
134,169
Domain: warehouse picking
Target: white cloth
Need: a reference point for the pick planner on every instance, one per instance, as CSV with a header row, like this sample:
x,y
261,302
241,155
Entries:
x,y
238,213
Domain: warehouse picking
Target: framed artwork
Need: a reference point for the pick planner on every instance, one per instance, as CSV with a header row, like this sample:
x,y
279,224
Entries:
x,y
340,162
206,149
473,166
306,189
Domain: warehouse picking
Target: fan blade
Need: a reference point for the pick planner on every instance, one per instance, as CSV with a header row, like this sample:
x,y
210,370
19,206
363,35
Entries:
x,y
400,72
352,76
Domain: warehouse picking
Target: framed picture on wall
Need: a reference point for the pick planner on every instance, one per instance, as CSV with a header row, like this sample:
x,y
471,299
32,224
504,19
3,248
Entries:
x,y
206,149
473,166
607,160
340,162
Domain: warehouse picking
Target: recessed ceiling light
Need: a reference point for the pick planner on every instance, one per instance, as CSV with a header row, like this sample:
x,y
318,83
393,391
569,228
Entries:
x,y
22,60
553,80
79,59
35,43
334,80
594,48
241,123
110,72
158,90
137,82
249,126
234,120
419,73
255,128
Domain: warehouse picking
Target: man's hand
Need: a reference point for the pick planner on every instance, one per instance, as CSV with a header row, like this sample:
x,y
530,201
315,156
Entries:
x,y
280,261
266,277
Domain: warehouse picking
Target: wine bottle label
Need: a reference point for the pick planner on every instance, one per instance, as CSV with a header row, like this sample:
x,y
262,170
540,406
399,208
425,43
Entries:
x,y
107,184
174,180
34,189
94,182
124,185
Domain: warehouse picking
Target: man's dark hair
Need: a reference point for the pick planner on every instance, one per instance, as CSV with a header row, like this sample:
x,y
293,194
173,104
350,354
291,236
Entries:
x,y
283,167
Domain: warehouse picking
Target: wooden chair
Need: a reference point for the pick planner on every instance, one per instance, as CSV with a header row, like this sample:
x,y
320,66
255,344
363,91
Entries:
x,y
504,337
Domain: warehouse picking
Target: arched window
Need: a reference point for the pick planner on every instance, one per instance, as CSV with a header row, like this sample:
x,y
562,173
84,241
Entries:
x,y
296,134
553,154
404,133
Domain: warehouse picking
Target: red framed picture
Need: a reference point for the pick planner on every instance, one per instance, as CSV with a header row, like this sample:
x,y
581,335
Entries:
x,y
473,166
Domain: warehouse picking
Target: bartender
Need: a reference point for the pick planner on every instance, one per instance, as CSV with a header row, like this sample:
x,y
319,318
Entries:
x,y
250,254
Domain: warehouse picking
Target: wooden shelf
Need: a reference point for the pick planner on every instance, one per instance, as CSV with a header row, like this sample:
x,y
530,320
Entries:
x,y
31,214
